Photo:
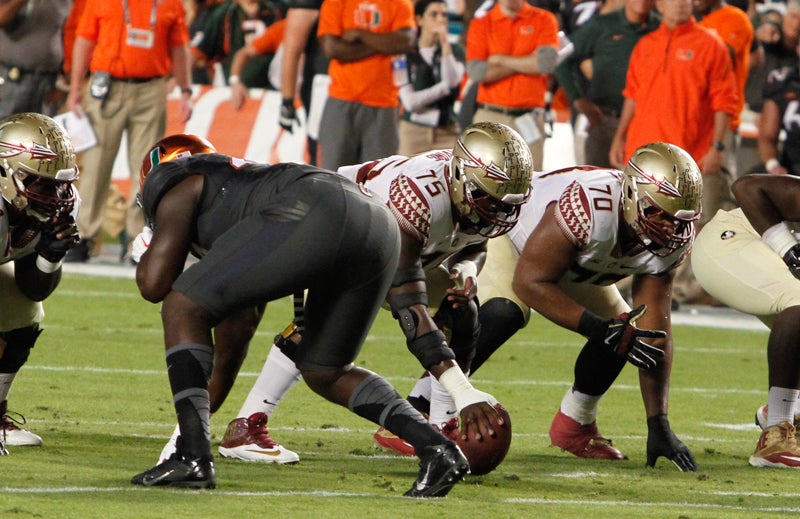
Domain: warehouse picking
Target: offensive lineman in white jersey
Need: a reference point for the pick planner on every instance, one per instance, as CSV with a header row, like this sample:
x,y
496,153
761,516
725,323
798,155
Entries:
x,y
447,204
583,230
38,208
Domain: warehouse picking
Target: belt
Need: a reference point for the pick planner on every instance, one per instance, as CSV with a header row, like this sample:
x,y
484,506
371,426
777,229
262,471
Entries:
x,y
505,110
136,79
14,72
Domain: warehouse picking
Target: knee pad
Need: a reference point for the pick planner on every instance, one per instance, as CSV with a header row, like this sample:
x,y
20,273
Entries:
x,y
430,349
461,328
17,347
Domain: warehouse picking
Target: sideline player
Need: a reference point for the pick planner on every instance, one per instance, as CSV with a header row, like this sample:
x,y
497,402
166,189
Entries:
x,y
749,259
260,218
37,227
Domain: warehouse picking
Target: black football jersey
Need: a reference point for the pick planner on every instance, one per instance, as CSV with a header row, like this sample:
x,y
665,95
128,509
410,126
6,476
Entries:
x,y
783,87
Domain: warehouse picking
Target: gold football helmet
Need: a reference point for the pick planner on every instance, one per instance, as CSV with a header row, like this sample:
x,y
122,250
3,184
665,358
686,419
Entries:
x,y
37,166
662,188
173,147
490,178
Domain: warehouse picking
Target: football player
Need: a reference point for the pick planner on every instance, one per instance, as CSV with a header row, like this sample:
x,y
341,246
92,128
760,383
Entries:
x,y
447,203
749,259
37,226
259,218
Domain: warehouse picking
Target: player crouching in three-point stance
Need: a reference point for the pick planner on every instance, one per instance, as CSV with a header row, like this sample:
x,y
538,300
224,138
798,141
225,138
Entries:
x,y
749,259
587,228
37,227
254,221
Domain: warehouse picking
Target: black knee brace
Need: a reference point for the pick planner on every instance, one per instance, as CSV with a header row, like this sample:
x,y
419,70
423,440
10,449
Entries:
x,y
18,344
430,349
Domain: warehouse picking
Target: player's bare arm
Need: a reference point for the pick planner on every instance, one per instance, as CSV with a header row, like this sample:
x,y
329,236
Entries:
x,y
767,200
547,256
165,258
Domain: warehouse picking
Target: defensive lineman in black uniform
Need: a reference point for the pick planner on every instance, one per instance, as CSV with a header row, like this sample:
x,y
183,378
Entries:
x,y
257,222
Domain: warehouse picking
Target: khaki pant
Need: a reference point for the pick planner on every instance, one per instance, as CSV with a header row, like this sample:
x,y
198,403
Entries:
x,y
17,310
416,138
140,109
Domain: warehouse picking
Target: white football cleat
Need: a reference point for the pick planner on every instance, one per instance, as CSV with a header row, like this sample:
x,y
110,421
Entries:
x,y
10,432
248,439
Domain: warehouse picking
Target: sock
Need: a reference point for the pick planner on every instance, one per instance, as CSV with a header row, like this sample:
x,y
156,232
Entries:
x,y
580,406
189,368
277,377
420,395
377,401
500,319
443,407
5,384
781,402
596,368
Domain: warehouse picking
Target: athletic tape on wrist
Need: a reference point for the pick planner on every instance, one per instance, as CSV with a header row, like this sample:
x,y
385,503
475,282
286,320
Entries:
x,y
779,238
47,266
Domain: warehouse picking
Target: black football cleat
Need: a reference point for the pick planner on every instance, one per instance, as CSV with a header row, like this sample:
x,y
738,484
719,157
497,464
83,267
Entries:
x,y
179,471
440,468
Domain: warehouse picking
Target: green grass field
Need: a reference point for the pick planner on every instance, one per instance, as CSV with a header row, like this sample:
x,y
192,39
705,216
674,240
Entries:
x,y
96,390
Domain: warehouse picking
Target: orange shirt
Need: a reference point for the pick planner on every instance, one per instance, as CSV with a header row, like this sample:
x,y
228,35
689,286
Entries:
x,y
271,39
495,33
103,22
678,79
736,30
368,81
70,27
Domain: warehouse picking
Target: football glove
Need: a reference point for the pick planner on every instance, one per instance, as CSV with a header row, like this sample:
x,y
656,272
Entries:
x,y
141,243
792,260
52,247
661,441
623,338
287,115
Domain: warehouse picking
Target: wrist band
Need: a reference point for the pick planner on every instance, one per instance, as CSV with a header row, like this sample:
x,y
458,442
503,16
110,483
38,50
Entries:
x,y
771,164
47,266
464,270
779,238
233,80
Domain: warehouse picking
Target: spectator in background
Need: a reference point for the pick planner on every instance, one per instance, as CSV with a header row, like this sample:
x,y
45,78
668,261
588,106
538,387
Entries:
x,y
300,42
779,34
435,70
197,12
268,43
360,119
127,92
680,88
780,113
232,25
736,30
31,54
511,49
607,42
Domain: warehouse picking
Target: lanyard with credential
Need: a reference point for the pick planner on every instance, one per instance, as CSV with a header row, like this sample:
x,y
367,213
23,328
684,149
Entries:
x,y
142,38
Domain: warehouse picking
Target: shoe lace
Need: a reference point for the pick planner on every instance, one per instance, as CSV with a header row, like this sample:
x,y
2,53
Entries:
x,y
257,430
10,423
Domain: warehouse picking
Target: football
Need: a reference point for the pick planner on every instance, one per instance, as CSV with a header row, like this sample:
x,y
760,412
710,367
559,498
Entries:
x,y
486,455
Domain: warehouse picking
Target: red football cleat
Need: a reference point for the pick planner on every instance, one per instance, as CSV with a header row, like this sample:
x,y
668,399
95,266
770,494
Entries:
x,y
393,443
777,447
449,429
584,441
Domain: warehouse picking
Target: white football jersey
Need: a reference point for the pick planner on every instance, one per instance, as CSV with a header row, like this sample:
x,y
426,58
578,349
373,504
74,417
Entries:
x,y
415,190
589,214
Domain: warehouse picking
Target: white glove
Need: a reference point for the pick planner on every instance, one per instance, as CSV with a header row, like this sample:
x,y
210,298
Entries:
x,y
141,243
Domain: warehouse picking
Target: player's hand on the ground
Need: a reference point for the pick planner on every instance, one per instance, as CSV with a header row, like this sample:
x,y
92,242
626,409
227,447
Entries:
x,y
622,336
792,260
56,240
477,419
141,243
661,441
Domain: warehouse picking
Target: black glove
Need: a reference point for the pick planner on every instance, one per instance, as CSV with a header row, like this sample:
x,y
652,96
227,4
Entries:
x,y
622,336
661,441
55,241
792,260
287,116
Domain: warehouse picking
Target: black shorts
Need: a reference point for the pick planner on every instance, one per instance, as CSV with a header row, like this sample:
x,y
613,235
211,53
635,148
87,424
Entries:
x,y
329,238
